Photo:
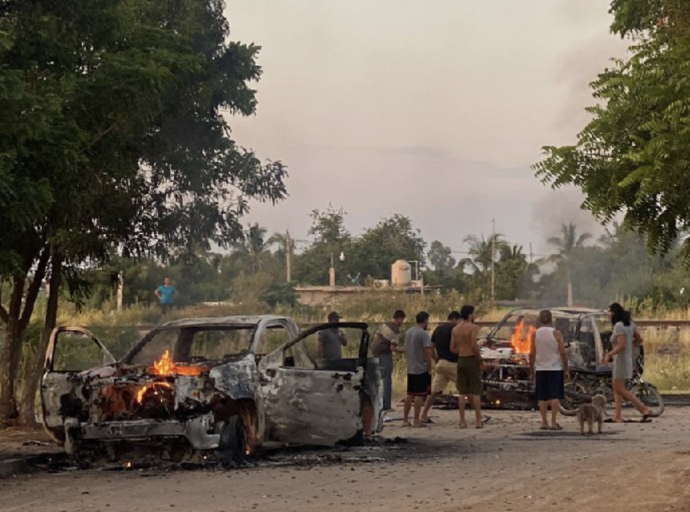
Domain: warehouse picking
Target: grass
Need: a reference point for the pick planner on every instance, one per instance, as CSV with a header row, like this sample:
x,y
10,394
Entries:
x,y
667,359
668,351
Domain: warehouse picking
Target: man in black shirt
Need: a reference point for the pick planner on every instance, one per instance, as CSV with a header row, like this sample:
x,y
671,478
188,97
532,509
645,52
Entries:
x,y
446,369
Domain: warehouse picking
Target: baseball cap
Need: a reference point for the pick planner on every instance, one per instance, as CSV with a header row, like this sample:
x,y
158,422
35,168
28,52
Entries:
x,y
333,316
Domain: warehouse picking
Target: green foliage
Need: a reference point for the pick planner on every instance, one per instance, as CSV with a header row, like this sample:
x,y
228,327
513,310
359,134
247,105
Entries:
x,y
370,254
635,16
440,256
394,238
280,294
634,156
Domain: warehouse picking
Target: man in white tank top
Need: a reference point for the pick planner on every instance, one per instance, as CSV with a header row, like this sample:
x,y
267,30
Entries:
x,y
548,362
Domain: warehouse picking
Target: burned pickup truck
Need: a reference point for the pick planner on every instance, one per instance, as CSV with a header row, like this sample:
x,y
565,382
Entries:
x,y
506,348
208,388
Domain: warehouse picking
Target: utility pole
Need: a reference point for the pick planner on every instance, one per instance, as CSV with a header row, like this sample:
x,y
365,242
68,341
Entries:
x,y
120,289
493,253
530,253
331,273
288,256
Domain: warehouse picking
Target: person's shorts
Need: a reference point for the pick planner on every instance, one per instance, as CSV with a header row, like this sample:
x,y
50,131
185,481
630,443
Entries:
x,y
549,385
469,376
444,372
418,384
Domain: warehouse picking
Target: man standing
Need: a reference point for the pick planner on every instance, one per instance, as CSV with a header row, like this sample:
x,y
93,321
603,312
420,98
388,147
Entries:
x,y
446,369
331,341
166,294
386,341
464,343
418,348
548,362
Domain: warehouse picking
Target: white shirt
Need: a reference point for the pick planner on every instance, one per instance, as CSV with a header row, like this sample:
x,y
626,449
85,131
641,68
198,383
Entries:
x,y
548,357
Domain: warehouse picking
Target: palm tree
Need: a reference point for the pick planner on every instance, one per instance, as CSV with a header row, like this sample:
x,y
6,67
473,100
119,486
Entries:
x,y
482,255
253,246
286,247
566,246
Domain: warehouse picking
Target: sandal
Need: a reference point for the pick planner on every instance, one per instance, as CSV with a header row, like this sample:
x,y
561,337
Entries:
x,y
556,427
544,427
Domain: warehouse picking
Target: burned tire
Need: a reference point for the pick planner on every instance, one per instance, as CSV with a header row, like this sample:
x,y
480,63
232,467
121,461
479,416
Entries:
x,y
649,396
571,403
233,441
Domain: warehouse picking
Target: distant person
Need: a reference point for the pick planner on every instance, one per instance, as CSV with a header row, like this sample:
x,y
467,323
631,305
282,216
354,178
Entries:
x,y
548,363
623,339
446,369
331,341
463,342
418,350
386,341
166,294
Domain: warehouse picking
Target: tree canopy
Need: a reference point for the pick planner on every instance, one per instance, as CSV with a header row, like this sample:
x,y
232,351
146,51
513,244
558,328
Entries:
x,y
634,155
116,133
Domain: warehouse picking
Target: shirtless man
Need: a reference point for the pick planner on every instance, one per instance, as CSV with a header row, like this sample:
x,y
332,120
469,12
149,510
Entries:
x,y
463,342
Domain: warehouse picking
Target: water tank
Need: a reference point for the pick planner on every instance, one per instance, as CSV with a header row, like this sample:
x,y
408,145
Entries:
x,y
401,273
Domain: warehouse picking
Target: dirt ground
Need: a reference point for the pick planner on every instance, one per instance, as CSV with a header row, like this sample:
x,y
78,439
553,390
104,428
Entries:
x,y
508,466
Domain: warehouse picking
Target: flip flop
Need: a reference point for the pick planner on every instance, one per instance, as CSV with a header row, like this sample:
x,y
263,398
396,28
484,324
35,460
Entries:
x,y
647,418
544,427
462,425
421,425
486,419
408,424
428,421
556,427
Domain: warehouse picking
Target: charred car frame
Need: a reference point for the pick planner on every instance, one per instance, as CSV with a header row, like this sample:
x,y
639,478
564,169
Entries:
x,y
202,388
586,333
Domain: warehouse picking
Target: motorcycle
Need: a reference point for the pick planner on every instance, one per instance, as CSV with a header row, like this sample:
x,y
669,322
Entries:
x,y
585,383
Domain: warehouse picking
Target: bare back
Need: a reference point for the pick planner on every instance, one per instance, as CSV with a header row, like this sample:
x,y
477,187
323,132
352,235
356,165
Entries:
x,y
464,339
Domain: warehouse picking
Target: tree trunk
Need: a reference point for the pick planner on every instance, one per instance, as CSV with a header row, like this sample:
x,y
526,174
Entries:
x,y
33,375
8,369
570,286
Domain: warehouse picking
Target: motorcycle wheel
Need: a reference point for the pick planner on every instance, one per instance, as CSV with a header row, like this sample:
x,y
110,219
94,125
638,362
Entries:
x,y
569,405
650,396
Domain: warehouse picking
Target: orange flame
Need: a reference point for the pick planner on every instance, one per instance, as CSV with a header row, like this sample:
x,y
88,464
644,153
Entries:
x,y
155,386
165,366
521,343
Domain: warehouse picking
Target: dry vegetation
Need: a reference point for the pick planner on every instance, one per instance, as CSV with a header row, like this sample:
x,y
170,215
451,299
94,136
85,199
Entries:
x,y
668,350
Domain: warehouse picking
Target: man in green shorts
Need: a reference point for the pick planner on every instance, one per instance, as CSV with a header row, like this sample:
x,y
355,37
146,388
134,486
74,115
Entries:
x,y
464,343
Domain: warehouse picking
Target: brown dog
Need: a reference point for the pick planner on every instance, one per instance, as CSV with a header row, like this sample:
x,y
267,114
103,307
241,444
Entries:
x,y
591,413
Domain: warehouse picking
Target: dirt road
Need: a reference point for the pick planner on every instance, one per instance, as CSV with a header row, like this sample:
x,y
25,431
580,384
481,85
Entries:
x,y
508,466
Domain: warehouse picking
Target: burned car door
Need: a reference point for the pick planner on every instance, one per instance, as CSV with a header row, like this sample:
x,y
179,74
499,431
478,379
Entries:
x,y
73,354
310,399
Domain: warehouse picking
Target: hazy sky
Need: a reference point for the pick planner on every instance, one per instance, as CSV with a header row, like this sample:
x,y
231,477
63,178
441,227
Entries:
x,y
432,109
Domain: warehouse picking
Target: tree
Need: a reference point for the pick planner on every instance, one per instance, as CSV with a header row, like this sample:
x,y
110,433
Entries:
x,y
393,238
511,269
115,126
331,238
569,242
482,256
255,246
634,155
440,256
